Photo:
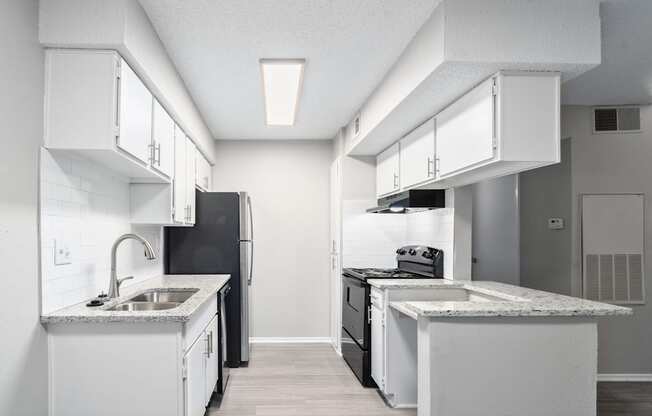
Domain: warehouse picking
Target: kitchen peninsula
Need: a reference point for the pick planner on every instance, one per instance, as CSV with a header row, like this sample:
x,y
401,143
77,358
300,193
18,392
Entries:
x,y
469,348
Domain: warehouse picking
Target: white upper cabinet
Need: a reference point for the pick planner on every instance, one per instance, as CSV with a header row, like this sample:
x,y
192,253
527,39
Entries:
x,y
417,155
204,173
388,171
180,192
506,125
465,130
162,145
191,179
97,106
135,115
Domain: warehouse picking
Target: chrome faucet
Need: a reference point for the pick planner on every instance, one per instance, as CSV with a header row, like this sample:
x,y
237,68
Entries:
x,y
114,283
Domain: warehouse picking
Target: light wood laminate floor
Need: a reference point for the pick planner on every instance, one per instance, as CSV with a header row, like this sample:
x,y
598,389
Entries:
x,y
312,380
297,380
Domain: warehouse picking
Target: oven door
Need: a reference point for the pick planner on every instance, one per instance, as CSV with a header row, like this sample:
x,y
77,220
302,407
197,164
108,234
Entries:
x,y
355,302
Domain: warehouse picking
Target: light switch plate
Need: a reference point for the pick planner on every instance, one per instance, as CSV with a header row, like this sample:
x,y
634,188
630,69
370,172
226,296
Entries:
x,y
62,254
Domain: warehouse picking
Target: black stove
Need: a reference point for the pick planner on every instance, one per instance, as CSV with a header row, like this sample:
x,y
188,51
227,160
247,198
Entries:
x,y
413,262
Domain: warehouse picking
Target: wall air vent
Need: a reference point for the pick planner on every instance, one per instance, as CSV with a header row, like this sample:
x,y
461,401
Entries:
x,y
617,119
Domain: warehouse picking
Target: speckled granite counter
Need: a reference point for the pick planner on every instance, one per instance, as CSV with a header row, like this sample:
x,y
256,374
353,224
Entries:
x,y
208,286
513,301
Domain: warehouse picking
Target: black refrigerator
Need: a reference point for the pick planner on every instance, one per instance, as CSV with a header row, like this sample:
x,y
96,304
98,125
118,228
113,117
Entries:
x,y
221,242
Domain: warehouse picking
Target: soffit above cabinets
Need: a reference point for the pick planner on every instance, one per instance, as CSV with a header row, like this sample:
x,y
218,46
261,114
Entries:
x,y
463,43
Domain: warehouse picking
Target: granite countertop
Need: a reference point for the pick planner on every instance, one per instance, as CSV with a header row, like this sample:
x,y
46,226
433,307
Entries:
x,y
514,301
208,285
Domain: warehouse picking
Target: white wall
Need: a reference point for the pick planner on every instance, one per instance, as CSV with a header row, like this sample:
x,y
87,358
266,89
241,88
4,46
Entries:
x,y
289,186
23,348
86,207
613,163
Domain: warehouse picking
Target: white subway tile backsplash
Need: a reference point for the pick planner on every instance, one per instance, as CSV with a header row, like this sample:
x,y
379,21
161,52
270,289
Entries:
x,y
86,207
370,240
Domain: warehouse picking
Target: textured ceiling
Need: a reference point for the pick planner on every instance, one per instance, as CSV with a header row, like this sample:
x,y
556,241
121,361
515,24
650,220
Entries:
x,y
625,75
349,45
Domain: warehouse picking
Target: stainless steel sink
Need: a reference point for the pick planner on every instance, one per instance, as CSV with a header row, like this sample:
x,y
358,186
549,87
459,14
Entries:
x,y
143,306
155,300
164,295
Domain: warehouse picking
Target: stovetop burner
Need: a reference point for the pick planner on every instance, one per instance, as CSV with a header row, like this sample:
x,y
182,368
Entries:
x,y
373,273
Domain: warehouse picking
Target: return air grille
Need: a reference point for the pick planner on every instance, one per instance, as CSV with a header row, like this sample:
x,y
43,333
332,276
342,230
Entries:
x,y
615,278
616,119
613,247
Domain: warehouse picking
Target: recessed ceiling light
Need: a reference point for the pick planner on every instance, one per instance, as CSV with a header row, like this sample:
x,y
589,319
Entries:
x,y
282,79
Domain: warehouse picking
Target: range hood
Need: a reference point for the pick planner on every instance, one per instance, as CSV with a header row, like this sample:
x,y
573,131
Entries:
x,y
410,201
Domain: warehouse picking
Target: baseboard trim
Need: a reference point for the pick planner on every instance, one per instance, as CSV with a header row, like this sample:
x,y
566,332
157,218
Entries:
x,y
290,340
635,377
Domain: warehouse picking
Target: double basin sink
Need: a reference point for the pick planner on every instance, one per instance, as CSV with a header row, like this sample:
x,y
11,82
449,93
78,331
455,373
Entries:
x,y
154,300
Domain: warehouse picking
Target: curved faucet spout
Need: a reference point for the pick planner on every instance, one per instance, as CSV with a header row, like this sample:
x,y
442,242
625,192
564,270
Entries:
x,y
114,283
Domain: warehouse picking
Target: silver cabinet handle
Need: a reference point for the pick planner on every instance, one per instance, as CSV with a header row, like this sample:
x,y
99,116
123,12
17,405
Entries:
x,y
431,162
437,165
395,181
208,345
210,342
369,314
157,150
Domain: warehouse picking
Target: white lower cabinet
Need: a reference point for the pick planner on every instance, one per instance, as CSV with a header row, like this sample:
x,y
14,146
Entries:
x,y
134,368
201,370
394,342
377,339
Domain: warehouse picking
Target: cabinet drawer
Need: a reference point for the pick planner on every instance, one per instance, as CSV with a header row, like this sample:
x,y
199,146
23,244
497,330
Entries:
x,y
198,322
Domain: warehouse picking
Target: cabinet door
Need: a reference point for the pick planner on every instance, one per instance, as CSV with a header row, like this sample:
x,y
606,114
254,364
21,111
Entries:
x,y
180,214
203,173
377,346
195,385
417,155
465,130
191,175
387,171
135,119
212,358
162,141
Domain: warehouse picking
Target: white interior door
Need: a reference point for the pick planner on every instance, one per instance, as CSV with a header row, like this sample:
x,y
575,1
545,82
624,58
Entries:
x,y
465,131
335,251
135,115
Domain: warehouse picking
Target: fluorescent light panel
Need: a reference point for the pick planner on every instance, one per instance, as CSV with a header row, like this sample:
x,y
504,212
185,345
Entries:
x,y
282,80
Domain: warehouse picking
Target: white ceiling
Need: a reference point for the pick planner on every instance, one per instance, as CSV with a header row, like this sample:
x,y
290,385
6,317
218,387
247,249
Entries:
x,y
349,45
625,75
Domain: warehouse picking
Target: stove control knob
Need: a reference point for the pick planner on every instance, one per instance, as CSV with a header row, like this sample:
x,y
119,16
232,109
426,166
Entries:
x,y
412,252
401,251
427,254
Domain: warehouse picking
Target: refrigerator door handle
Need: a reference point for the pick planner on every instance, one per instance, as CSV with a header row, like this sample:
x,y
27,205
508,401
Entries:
x,y
251,238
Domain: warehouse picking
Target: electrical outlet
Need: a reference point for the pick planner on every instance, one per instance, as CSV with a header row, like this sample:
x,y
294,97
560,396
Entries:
x,y
555,223
62,253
